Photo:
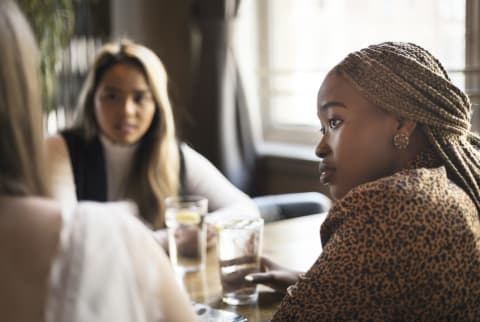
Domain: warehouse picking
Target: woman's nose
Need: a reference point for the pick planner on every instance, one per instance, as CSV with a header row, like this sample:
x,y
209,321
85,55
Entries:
x,y
129,107
322,148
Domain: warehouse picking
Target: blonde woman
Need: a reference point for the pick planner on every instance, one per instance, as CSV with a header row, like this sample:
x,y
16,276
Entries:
x,y
123,143
91,262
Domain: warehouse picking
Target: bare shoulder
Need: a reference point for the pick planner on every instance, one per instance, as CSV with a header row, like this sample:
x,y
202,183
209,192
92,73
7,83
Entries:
x,y
32,224
31,210
47,207
30,229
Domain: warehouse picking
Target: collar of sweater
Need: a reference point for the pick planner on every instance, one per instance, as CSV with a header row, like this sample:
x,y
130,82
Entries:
x,y
118,163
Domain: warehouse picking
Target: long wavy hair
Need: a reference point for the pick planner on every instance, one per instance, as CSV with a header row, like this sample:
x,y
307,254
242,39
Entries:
x,y
21,138
155,172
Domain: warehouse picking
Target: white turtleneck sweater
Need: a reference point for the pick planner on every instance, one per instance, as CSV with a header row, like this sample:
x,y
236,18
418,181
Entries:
x,y
202,178
118,162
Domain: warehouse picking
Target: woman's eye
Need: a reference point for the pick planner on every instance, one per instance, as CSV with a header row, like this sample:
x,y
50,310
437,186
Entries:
x,y
142,98
334,123
322,130
138,99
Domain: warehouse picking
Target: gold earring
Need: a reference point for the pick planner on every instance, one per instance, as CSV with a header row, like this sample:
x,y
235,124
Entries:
x,y
400,141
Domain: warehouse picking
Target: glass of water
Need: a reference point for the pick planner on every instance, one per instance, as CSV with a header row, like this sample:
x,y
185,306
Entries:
x,y
187,234
239,244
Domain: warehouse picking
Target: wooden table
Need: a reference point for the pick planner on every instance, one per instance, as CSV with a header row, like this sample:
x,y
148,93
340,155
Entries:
x,y
294,243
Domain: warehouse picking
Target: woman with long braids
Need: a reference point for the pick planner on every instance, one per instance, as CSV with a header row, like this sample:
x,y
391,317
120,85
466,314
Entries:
x,y
402,241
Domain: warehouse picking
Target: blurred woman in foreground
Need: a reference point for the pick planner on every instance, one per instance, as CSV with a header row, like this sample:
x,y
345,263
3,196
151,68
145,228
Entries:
x,y
90,263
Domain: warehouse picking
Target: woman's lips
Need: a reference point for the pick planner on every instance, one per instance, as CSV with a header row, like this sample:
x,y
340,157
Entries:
x,y
326,176
126,128
326,173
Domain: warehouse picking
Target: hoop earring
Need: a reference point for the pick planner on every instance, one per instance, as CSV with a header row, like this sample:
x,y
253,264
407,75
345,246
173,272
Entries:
x,y
401,141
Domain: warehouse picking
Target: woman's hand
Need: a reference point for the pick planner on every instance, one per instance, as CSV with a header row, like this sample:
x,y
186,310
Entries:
x,y
274,276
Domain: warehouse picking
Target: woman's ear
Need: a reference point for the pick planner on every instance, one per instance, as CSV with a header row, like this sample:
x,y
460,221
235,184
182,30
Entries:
x,y
404,131
406,126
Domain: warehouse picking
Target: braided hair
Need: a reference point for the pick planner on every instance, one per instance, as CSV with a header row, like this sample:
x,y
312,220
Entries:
x,y
405,79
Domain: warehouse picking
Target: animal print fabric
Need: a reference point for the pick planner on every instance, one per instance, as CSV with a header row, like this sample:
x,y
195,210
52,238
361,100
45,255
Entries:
x,y
402,248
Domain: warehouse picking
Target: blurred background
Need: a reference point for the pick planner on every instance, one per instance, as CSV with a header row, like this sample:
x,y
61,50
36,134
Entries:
x,y
244,74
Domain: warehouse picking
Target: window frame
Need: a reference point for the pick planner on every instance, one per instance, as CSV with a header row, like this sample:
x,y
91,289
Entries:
x,y
274,136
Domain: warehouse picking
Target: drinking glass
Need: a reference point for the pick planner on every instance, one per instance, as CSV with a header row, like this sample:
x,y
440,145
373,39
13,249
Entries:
x,y
185,221
239,243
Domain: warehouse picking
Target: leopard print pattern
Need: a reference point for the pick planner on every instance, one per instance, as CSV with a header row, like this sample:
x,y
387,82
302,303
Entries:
x,y
402,248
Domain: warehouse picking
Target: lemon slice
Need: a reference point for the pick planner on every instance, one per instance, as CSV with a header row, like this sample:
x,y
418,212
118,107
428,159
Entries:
x,y
187,217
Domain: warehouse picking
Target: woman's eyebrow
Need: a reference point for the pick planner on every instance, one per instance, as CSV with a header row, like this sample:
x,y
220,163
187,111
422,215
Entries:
x,y
143,91
331,104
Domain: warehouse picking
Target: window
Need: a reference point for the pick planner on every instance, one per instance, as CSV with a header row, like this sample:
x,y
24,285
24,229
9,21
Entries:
x,y
285,48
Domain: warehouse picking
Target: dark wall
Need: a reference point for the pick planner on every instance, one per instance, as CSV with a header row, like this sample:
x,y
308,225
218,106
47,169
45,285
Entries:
x,y
164,27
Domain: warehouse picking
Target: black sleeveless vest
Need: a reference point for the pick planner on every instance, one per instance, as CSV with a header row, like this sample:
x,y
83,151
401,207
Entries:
x,y
88,165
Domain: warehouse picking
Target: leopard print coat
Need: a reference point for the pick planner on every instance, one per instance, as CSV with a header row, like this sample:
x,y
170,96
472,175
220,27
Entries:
x,y
402,248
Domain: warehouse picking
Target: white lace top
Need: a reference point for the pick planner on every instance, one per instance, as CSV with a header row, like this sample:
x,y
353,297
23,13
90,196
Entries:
x,y
107,268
